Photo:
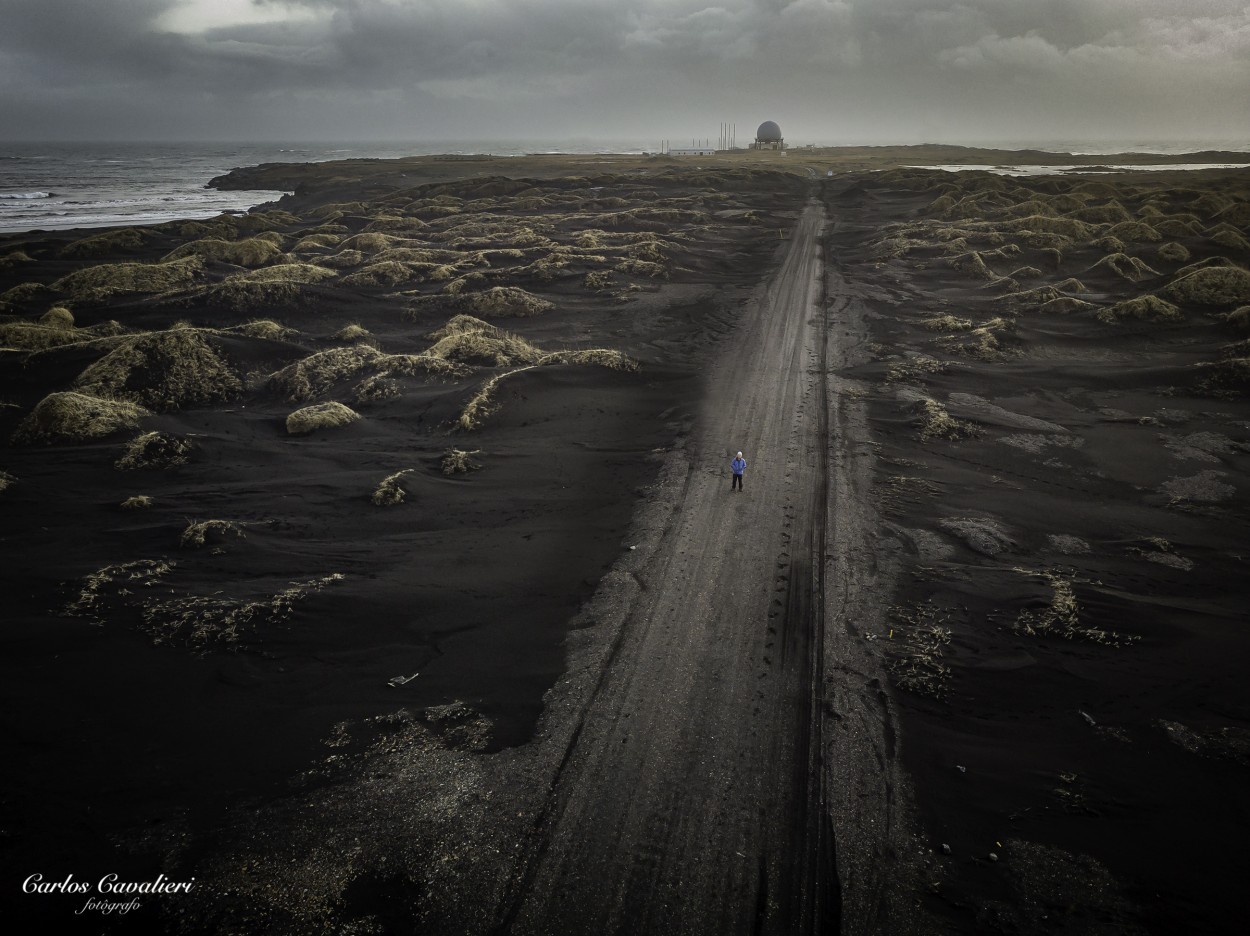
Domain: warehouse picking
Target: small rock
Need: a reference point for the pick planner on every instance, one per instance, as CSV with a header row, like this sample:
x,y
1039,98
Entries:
x,y
961,768
993,856
946,849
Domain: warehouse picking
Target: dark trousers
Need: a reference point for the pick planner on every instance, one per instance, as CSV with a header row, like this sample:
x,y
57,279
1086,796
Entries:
x,y
737,482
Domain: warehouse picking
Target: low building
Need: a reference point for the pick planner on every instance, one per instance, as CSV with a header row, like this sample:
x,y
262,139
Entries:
x,y
692,151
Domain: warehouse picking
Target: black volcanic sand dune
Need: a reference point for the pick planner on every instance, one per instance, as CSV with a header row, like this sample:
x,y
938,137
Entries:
x,y
1061,399
269,478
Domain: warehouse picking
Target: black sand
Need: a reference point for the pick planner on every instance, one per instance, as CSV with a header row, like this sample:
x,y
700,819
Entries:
x,y
727,728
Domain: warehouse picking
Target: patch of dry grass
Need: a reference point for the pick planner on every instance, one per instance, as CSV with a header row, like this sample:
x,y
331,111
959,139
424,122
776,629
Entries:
x,y
137,502
7,480
914,649
1061,617
946,323
390,490
458,461
154,450
203,620
199,533
936,422
76,417
101,587
329,415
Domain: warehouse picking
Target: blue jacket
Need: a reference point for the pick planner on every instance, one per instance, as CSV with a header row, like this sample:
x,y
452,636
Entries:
x,y
738,465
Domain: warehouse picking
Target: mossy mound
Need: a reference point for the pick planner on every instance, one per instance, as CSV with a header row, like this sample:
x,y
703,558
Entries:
x,y
1144,308
76,417
1065,305
316,242
1220,286
496,302
329,415
485,346
166,370
1240,318
1110,213
28,336
6,481
319,373
380,275
343,260
58,317
1231,241
106,243
1135,232
1124,266
354,333
372,242
15,258
1172,252
137,502
1065,227
298,273
1173,227
27,294
265,328
109,279
245,295
1109,244
252,252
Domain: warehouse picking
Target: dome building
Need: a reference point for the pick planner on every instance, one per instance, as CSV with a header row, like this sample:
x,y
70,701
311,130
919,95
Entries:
x,y
768,137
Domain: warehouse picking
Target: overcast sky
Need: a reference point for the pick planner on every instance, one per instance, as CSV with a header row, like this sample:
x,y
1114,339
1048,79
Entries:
x,y
828,71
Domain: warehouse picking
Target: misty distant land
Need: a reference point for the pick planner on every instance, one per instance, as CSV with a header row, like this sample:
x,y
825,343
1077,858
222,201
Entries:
x,y
371,556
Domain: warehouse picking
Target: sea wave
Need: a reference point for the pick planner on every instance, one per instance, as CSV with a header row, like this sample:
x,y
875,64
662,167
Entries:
x,y
25,195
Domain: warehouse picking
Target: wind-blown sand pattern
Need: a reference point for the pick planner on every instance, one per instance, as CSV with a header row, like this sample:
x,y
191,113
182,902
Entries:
x,y
386,544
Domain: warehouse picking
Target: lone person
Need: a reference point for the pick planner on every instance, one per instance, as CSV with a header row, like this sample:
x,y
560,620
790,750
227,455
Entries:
x,y
738,465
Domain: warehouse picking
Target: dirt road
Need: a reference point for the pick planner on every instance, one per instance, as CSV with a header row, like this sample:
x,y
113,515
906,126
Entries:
x,y
696,797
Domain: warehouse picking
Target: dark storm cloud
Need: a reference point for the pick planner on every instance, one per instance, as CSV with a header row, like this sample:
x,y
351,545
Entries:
x,y
829,69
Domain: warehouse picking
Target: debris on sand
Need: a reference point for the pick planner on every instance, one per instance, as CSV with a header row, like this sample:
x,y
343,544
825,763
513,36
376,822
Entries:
x,y
1224,743
1205,487
985,535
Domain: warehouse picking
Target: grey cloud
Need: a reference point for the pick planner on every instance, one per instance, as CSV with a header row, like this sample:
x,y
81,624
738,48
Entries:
x,y
827,69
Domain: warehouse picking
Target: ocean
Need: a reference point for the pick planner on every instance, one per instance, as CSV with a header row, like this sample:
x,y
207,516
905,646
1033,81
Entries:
x,y
56,186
